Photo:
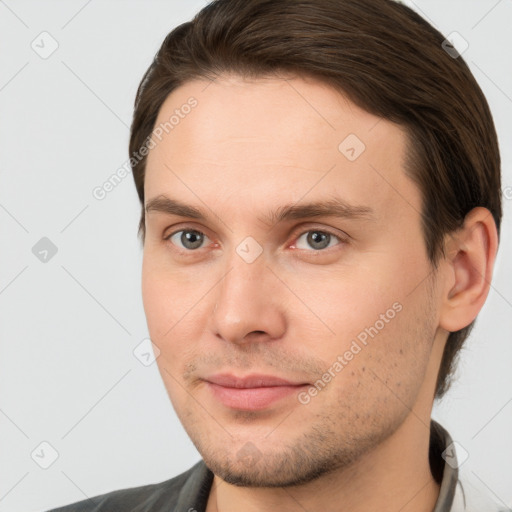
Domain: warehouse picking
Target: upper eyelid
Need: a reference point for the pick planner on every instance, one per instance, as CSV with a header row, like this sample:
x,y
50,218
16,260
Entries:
x,y
333,232
296,233
298,230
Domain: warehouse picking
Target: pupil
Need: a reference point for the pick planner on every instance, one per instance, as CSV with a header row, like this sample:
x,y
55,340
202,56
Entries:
x,y
319,240
191,239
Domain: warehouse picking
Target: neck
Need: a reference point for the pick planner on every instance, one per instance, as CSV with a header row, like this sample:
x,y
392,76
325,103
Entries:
x,y
394,476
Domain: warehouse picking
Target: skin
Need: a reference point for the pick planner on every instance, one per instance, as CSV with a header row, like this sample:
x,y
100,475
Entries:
x,y
250,147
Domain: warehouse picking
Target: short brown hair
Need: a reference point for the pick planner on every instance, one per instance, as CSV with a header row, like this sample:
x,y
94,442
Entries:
x,y
380,54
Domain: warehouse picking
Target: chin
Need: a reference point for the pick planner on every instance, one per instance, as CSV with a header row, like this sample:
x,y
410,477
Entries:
x,y
253,469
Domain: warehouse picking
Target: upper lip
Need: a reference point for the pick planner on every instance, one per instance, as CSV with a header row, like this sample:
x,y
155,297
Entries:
x,y
250,381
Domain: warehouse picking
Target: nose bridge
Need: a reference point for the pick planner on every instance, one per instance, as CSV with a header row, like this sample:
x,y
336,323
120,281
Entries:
x,y
246,299
244,280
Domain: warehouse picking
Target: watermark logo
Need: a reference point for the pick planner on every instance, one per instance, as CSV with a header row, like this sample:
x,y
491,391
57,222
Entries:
x,y
455,45
44,45
455,455
44,250
248,455
146,352
44,455
351,147
249,249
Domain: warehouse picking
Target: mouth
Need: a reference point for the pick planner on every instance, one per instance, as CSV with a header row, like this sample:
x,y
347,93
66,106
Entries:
x,y
251,392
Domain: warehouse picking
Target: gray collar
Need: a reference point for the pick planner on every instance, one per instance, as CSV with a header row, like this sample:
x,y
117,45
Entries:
x,y
441,441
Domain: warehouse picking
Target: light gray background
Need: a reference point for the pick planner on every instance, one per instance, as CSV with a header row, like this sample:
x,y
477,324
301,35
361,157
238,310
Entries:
x,y
68,327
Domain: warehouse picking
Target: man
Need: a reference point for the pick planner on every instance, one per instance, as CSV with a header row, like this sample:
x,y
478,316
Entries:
x,y
320,191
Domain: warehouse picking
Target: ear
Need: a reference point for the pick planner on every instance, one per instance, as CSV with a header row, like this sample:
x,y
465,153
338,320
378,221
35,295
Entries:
x,y
470,255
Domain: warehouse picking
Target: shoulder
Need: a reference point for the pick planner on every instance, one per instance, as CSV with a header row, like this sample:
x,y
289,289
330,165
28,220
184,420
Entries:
x,y
461,489
153,497
471,495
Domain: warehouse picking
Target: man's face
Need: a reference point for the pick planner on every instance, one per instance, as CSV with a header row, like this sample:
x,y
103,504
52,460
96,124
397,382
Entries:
x,y
340,307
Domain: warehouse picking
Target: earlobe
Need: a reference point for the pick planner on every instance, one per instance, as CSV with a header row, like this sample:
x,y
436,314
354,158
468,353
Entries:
x,y
469,263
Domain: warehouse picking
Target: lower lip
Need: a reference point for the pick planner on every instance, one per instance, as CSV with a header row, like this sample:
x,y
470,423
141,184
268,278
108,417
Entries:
x,y
251,399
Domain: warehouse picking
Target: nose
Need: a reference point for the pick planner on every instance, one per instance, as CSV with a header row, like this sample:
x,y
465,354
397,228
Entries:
x,y
249,303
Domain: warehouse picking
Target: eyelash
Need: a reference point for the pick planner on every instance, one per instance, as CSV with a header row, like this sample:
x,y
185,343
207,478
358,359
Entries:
x,y
296,236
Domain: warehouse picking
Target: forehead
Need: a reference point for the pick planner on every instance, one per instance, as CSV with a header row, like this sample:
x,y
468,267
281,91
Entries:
x,y
271,137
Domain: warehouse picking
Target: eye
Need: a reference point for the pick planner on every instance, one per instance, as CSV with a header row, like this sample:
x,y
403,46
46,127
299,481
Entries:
x,y
190,239
316,239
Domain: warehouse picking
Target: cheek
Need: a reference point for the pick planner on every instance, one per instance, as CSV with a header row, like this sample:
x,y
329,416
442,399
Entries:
x,y
375,320
168,293
155,299
176,309
375,376
164,307
343,302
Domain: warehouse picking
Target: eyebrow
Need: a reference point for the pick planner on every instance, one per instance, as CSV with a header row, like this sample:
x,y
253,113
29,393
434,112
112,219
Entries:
x,y
333,207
